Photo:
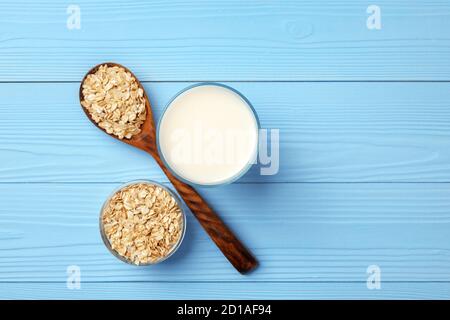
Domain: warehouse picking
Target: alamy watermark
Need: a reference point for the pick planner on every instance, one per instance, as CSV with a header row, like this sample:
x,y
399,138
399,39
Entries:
x,y
374,20
73,277
269,161
210,147
74,18
374,277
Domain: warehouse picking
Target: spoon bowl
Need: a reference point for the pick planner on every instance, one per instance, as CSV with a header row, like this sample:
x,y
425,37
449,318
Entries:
x,y
238,255
146,139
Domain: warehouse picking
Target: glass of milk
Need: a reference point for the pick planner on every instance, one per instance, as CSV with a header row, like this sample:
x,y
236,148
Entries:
x,y
208,135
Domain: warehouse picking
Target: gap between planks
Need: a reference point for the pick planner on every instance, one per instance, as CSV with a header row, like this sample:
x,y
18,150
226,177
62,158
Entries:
x,y
237,182
244,81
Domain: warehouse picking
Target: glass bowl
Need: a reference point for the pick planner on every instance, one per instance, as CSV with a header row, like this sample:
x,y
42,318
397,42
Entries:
x,y
175,246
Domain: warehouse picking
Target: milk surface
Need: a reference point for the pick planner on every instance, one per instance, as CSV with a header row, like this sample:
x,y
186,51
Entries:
x,y
208,135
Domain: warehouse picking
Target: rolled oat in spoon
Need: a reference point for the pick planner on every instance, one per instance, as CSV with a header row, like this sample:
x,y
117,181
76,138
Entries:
x,y
115,101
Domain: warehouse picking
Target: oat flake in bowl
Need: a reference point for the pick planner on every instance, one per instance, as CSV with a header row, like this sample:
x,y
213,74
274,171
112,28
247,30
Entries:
x,y
142,223
115,101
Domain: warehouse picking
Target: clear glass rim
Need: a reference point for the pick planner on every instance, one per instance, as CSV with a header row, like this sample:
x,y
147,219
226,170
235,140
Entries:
x,y
105,238
244,169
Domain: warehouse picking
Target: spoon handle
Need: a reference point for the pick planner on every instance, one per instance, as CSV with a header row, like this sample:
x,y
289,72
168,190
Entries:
x,y
239,256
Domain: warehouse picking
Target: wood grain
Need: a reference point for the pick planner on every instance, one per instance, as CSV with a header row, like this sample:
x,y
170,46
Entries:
x,y
329,132
299,232
227,40
164,290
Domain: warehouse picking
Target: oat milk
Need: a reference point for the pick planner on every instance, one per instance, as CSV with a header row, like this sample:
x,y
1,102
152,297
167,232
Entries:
x,y
208,135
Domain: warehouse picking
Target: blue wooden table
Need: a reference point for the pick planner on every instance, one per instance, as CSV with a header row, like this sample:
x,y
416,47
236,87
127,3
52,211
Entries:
x,y
360,92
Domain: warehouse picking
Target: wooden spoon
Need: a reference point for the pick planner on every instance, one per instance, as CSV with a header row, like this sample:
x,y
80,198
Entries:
x,y
227,242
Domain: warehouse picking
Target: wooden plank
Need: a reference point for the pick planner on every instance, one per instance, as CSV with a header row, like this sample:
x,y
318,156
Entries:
x,y
227,40
155,290
329,132
299,232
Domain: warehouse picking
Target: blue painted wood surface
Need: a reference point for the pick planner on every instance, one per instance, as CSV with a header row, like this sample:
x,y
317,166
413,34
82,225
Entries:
x,y
227,40
364,119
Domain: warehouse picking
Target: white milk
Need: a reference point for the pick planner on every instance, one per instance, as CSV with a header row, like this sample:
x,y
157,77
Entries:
x,y
208,135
